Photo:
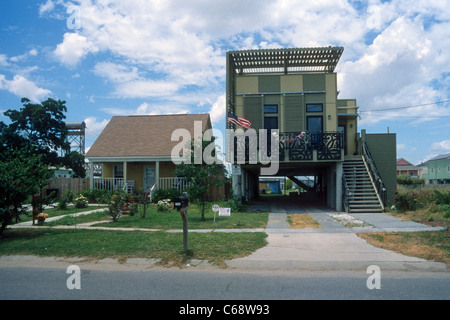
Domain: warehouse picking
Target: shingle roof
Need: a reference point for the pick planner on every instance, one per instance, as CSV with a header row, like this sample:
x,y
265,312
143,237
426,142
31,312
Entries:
x,y
145,136
440,157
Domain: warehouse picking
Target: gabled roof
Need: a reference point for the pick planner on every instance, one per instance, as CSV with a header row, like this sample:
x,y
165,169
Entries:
x,y
143,136
403,162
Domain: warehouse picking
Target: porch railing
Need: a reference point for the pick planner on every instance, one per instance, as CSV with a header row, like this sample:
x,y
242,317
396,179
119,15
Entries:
x,y
112,184
108,183
173,183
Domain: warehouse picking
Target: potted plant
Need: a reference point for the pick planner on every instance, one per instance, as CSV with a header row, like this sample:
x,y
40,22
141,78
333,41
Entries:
x,y
41,218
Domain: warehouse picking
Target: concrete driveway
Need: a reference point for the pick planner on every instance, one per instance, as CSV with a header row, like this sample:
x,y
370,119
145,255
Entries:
x,y
334,245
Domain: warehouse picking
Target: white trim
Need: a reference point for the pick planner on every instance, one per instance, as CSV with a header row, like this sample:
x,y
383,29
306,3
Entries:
x,y
133,158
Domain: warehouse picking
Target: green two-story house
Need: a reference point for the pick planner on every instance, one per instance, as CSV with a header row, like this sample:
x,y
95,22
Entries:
x,y
294,92
437,170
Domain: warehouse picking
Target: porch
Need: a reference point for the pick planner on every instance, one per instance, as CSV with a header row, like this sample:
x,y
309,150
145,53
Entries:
x,y
133,176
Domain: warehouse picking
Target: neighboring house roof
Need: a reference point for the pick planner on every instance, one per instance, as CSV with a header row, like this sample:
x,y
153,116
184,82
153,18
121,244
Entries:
x,y
143,136
403,162
440,157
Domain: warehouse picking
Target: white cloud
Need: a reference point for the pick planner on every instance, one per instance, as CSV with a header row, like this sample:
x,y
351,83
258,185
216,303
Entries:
x,y
46,7
148,109
441,147
218,110
23,87
73,48
94,127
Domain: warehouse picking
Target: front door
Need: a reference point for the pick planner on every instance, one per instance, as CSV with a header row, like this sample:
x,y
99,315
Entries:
x,y
149,176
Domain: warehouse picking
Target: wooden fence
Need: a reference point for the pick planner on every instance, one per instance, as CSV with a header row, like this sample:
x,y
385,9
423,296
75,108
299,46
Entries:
x,y
62,185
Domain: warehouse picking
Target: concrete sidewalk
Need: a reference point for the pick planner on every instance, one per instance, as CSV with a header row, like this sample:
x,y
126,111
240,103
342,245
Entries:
x,y
333,246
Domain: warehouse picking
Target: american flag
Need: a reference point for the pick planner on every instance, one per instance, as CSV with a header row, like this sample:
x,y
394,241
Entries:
x,y
232,118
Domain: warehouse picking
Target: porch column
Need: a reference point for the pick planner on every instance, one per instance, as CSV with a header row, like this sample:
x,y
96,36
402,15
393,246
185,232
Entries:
x,y
125,175
157,175
339,170
91,175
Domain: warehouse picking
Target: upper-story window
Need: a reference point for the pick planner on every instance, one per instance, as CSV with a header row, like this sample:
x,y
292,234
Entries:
x,y
314,107
270,108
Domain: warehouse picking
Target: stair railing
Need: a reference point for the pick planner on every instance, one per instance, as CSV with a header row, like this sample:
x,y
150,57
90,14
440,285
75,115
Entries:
x,y
375,176
346,194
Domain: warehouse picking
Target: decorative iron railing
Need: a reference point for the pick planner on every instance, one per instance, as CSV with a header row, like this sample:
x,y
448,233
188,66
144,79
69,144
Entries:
x,y
297,146
376,177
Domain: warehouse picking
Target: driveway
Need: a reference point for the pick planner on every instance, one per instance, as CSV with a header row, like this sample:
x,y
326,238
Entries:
x,y
334,245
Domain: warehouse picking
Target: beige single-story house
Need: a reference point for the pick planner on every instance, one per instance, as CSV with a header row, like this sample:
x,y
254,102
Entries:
x,y
134,152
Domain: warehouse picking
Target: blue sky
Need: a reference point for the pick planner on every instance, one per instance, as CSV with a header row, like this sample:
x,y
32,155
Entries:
x,y
107,58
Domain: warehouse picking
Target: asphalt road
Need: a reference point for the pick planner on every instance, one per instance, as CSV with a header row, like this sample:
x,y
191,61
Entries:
x,y
36,283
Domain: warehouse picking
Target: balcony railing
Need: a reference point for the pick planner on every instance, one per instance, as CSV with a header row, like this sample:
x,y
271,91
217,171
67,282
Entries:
x,y
294,146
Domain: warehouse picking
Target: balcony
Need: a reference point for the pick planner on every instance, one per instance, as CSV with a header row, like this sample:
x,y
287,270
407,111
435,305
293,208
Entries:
x,y
292,146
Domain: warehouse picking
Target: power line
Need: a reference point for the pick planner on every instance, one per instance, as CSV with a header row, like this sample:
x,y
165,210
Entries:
x,y
409,107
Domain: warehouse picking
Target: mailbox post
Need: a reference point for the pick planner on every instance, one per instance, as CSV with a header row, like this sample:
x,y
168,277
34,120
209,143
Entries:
x,y
182,205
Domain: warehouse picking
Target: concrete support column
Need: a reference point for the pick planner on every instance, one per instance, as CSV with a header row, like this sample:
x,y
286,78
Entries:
x,y
236,182
339,194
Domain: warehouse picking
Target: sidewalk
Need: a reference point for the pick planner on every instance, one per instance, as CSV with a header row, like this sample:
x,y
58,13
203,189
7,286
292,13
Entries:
x,y
333,246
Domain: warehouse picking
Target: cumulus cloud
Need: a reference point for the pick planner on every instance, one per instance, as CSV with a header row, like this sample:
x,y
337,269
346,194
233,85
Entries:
x,y
441,147
23,87
95,127
218,110
73,48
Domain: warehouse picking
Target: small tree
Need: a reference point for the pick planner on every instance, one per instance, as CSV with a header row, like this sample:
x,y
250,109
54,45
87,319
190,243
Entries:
x,y
21,175
201,176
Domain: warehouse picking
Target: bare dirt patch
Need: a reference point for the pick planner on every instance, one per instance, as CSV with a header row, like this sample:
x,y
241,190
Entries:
x,y
302,221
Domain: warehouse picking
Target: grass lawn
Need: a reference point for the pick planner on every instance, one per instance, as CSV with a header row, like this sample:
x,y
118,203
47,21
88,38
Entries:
x,y
55,212
168,247
433,246
172,220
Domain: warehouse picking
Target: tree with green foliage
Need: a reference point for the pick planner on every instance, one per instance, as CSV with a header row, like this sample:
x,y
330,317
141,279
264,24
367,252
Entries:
x,y
201,176
21,174
41,129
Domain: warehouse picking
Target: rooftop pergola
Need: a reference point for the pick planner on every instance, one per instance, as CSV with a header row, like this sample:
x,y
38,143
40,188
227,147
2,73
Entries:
x,y
285,60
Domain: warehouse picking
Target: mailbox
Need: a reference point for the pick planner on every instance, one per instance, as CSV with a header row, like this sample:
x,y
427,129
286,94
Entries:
x,y
180,202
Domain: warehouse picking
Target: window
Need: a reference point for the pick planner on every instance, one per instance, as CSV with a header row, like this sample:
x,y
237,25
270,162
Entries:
x,y
314,123
272,108
118,171
314,107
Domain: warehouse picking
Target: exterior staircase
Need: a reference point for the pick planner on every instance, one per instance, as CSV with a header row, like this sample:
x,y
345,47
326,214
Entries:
x,y
360,193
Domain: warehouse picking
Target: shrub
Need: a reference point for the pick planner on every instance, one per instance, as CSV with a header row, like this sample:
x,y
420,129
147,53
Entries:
x,y
163,206
441,197
97,196
81,202
161,194
406,180
62,204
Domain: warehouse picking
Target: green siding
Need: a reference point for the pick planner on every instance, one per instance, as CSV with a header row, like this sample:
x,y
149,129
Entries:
x,y
314,82
269,84
294,113
383,148
253,111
